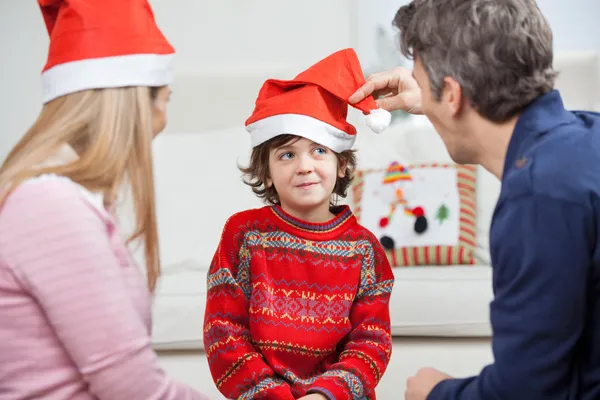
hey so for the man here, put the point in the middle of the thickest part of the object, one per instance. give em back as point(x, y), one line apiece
point(483, 75)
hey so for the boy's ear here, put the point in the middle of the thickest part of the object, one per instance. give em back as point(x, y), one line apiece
point(268, 183)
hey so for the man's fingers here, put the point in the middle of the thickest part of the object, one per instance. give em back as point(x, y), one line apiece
point(374, 83)
point(383, 103)
point(405, 101)
point(362, 92)
point(400, 91)
point(391, 103)
point(412, 101)
point(384, 92)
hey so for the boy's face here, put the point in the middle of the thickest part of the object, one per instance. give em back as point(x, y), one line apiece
point(304, 174)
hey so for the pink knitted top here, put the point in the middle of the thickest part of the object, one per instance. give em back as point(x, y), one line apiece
point(75, 313)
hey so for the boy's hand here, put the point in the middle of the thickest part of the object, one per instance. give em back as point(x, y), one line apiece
point(313, 396)
point(418, 387)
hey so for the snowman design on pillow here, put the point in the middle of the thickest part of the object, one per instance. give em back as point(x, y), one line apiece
point(397, 191)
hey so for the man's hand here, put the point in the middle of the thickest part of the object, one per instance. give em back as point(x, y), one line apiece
point(419, 386)
point(313, 396)
point(399, 88)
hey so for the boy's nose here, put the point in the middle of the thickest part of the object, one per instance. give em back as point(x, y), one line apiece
point(305, 165)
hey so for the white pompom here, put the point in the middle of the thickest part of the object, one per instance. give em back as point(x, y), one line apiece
point(378, 120)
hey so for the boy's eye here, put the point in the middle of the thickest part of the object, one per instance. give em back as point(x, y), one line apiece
point(320, 151)
point(286, 156)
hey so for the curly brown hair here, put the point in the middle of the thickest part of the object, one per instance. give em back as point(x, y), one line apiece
point(257, 172)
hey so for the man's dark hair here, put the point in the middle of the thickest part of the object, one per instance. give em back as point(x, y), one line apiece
point(500, 52)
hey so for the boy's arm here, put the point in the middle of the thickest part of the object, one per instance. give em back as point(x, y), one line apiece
point(238, 369)
point(368, 347)
point(542, 257)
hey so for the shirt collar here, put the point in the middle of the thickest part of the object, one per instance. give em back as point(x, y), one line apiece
point(540, 116)
point(64, 155)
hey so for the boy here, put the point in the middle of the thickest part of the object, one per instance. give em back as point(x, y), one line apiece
point(298, 291)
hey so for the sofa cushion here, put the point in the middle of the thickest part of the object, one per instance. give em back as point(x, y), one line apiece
point(451, 301)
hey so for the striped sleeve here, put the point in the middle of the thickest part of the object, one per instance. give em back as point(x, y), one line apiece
point(57, 244)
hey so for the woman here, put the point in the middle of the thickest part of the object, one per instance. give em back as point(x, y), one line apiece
point(74, 309)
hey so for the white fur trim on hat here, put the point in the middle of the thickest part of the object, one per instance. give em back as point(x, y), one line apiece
point(300, 125)
point(107, 72)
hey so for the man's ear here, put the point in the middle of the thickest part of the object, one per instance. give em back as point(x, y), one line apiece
point(452, 94)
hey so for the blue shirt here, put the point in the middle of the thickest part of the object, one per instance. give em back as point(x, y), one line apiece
point(544, 244)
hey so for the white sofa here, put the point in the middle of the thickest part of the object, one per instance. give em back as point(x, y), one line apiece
point(198, 186)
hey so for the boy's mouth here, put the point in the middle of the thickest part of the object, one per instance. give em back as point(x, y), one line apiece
point(306, 185)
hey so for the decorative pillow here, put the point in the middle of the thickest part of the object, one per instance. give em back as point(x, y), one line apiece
point(422, 214)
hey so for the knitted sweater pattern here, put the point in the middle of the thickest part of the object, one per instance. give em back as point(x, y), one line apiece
point(295, 307)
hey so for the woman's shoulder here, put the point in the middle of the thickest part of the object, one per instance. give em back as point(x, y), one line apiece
point(49, 195)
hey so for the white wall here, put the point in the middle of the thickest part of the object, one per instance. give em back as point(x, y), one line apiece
point(237, 35)
point(23, 42)
point(209, 36)
point(574, 24)
point(252, 33)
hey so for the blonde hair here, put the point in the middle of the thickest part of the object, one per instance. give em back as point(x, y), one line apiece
point(111, 131)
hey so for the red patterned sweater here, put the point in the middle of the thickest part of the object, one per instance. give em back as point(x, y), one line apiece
point(296, 307)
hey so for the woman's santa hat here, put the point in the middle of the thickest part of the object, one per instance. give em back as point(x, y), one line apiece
point(314, 104)
point(103, 44)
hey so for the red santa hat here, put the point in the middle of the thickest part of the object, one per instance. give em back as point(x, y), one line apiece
point(103, 44)
point(314, 104)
